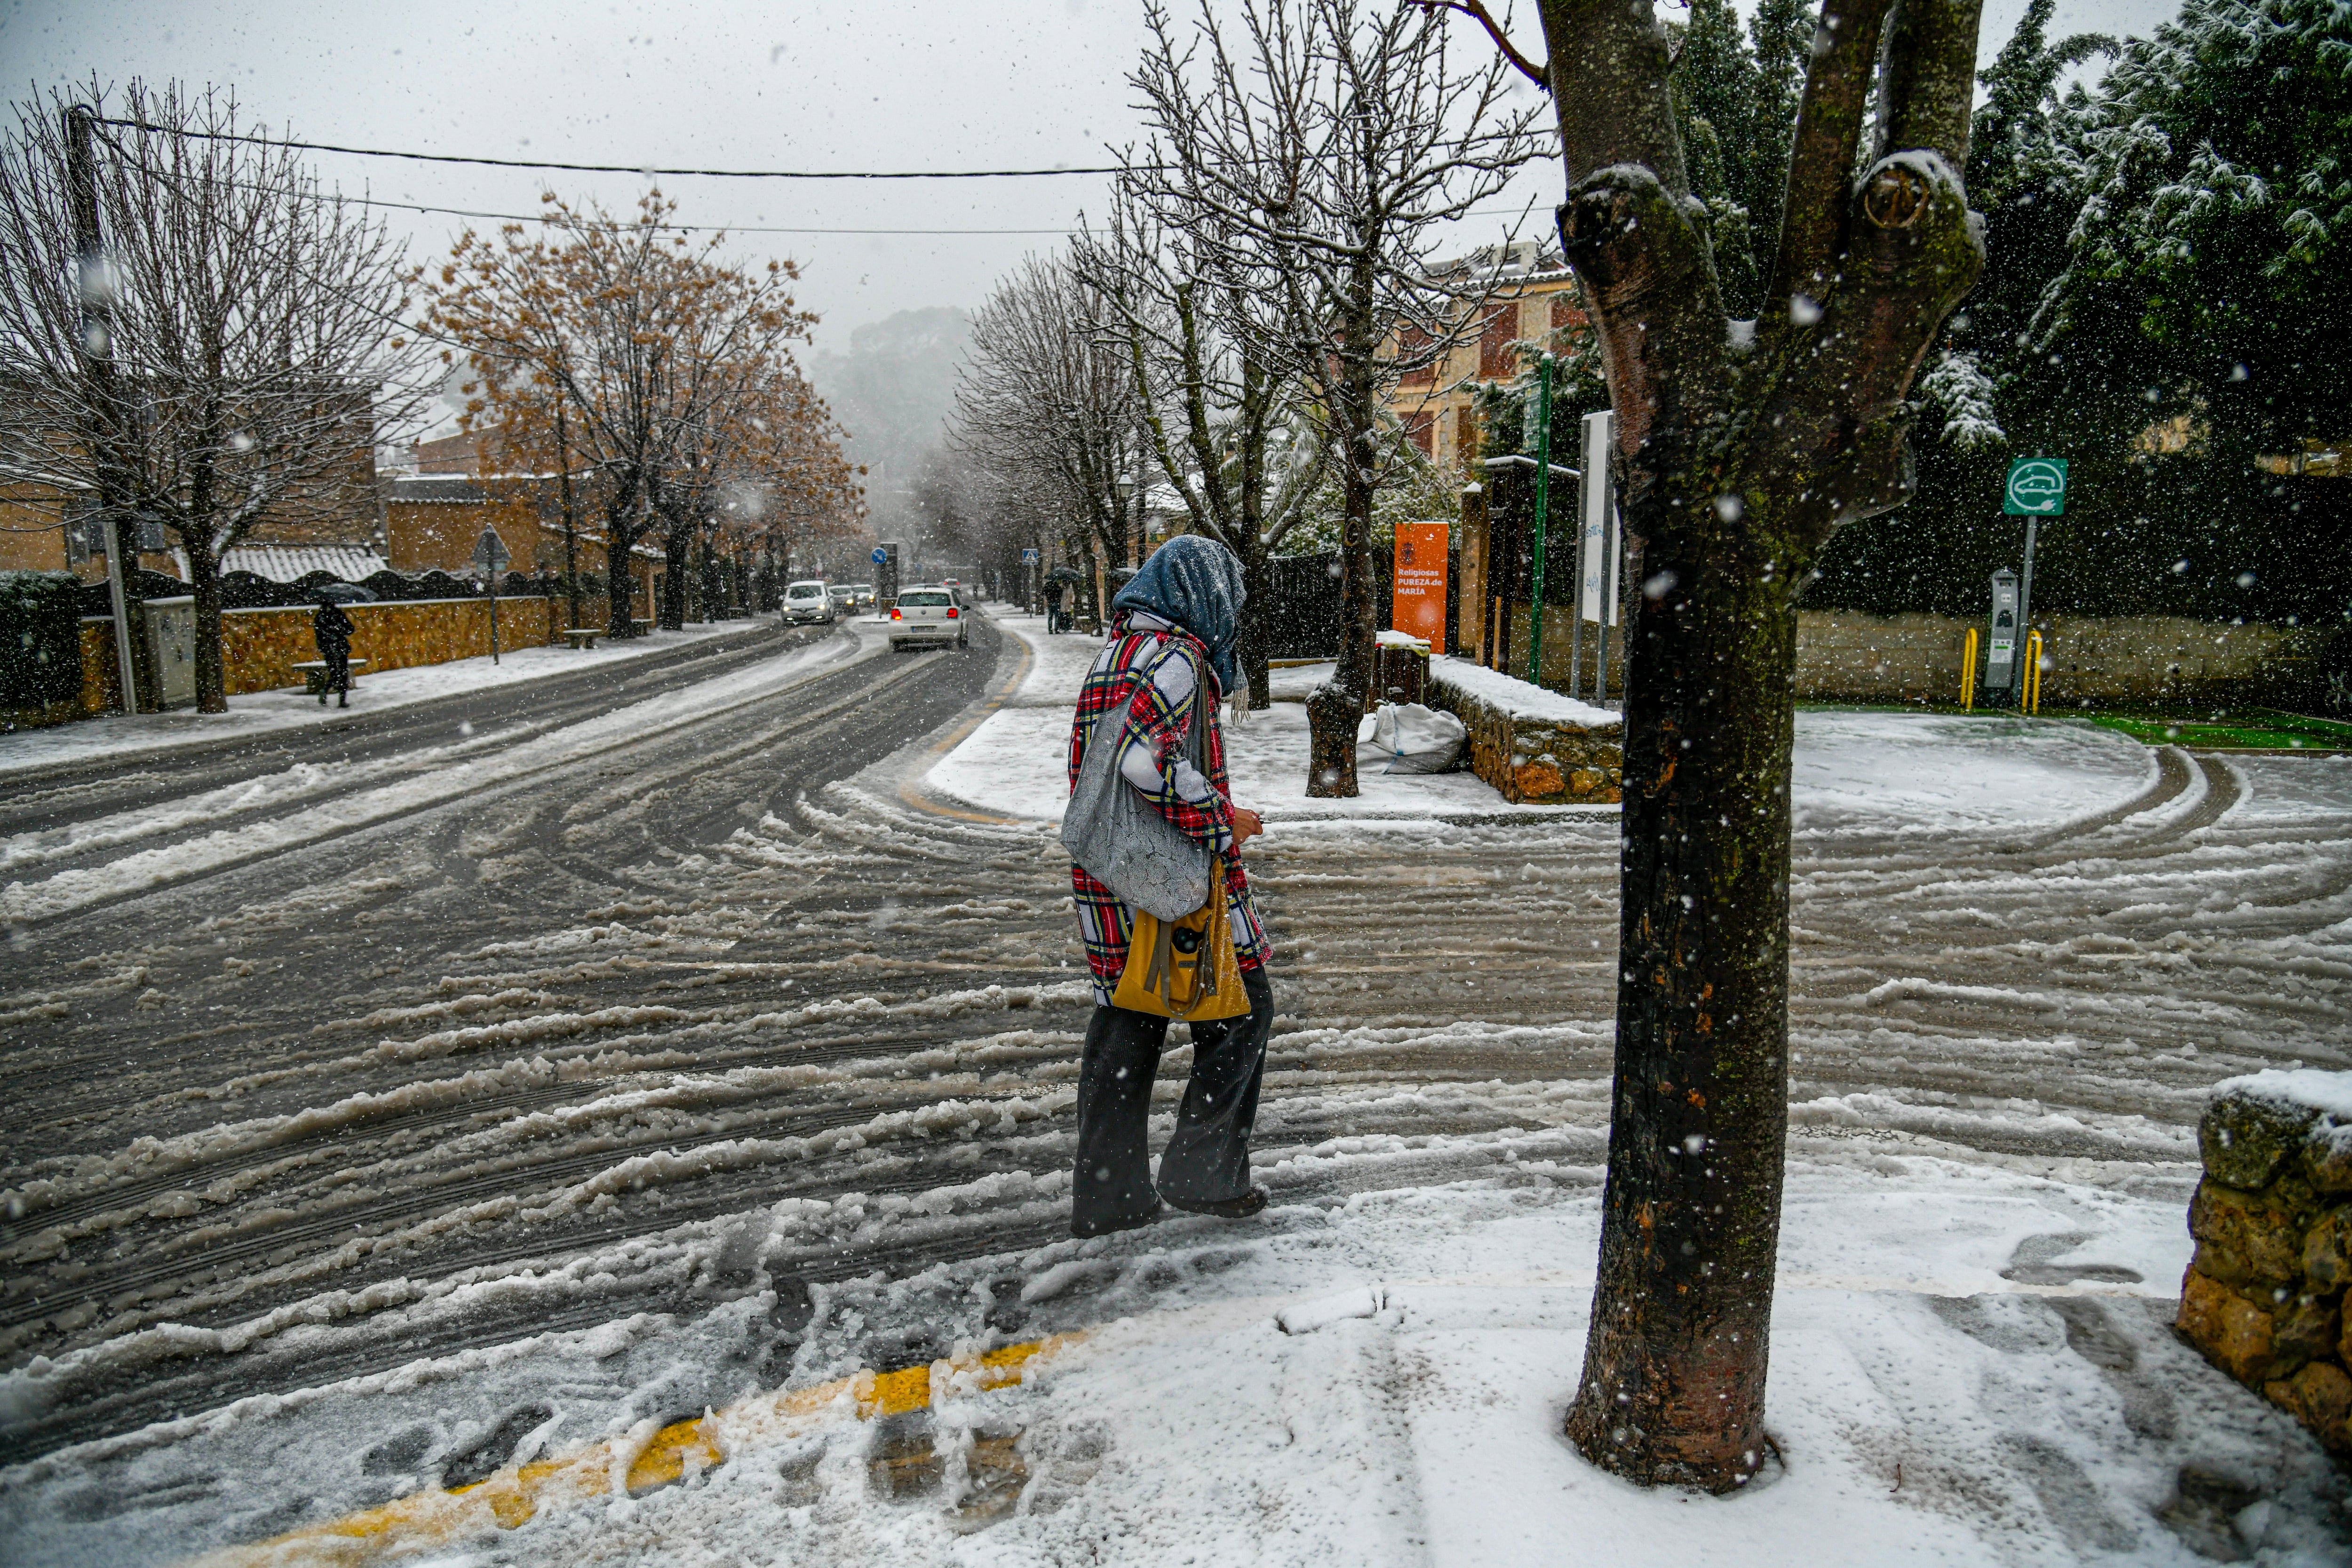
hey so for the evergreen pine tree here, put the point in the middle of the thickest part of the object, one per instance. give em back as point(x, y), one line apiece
point(1781, 38)
point(1715, 84)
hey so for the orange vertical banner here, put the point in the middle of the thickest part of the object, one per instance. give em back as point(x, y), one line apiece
point(1419, 607)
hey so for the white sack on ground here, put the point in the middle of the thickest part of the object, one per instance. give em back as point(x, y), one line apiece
point(1418, 739)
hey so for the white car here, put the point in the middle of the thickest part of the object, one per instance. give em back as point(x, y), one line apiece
point(807, 601)
point(928, 618)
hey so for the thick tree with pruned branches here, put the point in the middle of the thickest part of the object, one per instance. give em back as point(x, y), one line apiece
point(1742, 446)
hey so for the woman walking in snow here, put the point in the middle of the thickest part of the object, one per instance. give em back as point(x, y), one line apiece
point(1169, 659)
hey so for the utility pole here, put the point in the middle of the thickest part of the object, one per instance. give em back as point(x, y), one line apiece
point(2024, 613)
point(104, 425)
point(571, 528)
point(1543, 508)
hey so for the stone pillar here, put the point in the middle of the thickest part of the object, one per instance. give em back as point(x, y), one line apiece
point(2264, 1293)
point(1470, 610)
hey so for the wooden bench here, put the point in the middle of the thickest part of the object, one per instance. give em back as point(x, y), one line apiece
point(642, 625)
point(583, 636)
point(314, 676)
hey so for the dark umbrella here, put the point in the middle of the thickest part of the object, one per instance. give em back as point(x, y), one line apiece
point(342, 593)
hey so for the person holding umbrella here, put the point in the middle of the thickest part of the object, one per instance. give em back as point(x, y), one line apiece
point(333, 629)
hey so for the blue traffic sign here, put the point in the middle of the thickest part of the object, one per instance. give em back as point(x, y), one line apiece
point(881, 556)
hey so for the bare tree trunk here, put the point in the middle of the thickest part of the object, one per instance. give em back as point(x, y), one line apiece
point(674, 569)
point(571, 515)
point(204, 583)
point(1335, 712)
point(1257, 673)
point(619, 586)
point(1674, 1367)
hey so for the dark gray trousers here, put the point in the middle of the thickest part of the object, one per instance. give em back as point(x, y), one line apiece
point(1208, 1155)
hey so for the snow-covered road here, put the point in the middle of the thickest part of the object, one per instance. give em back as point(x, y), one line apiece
point(727, 1050)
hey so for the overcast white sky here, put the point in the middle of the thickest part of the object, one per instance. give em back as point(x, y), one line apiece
point(887, 84)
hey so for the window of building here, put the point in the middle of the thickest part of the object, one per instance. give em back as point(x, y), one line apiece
point(1411, 340)
point(1494, 358)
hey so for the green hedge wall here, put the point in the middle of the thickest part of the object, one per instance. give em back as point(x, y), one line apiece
point(40, 638)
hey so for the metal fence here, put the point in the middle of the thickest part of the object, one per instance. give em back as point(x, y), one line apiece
point(1302, 615)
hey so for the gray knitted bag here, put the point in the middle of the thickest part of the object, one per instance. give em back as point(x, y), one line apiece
point(1127, 846)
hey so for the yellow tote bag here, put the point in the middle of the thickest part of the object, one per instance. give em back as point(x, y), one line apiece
point(1184, 969)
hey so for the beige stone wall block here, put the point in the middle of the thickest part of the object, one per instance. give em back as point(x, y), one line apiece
point(2320, 1396)
point(2233, 1334)
point(2328, 1252)
point(2260, 1239)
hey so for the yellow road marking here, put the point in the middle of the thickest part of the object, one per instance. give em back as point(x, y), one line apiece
point(517, 1494)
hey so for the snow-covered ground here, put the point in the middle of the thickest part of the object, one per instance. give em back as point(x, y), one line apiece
point(1913, 775)
point(349, 794)
point(1970, 1365)
point(260, 712)
point(769, 1101)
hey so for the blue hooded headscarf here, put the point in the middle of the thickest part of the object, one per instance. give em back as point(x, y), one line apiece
point(1196, 583)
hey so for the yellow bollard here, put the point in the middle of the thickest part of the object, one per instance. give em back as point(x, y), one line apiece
point(1968, 673)
point(2032, 693)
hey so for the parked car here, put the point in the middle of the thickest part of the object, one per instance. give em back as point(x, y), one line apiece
point(928, 617)
point(807, 601)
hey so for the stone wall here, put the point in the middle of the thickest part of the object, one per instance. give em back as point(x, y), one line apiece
point(1543, 760)
point(2264, 1293)
point(2142, 661)
point(2150, 662)
point(259, 649)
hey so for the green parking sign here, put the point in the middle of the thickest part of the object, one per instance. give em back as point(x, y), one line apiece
point(2036, 488)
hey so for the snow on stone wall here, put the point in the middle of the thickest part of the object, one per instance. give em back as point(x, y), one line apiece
point(1533, 745)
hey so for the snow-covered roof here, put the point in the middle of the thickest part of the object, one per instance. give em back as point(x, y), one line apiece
point(291, 563)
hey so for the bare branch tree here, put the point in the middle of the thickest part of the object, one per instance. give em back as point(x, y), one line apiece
point(1231, 433)
point(254, 332)
point(1741, 446)
point(1315, 168)
point(1047, 403)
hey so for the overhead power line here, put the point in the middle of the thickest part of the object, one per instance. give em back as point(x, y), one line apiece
point(618, 224)
point(611, 168)
point(679, 227)
point(631, 168)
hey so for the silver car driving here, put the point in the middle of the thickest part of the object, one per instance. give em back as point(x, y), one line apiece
point(807, 601)
point(928, 618)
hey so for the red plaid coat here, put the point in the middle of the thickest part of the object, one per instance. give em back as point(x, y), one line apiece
point(1124, 677)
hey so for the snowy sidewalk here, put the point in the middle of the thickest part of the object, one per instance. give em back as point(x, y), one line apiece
point(1970, 1365)
point(263, 713)
point(1911, 774)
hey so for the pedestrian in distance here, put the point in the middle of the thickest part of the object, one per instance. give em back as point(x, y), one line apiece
point(1151, 698)
point(1053, 608)
point(333, 629)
